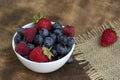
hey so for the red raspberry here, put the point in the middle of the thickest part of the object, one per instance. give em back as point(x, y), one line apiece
point(29, 33)
point(108, 37)
point(69, 30)
point(22, 48)
point(38, 55)
point(44, 23)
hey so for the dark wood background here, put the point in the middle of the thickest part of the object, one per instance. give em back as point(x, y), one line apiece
point(83, 14)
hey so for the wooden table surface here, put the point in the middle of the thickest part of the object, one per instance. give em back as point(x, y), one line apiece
point(83, 14)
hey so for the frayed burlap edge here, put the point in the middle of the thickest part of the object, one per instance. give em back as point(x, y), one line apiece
point(94, 33)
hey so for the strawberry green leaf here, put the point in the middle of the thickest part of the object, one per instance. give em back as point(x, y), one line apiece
point(47, 52)
point(36, 18)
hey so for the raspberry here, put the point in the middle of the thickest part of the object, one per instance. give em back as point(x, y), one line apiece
point(22, 48)
point(29, 33)
point(69, 30)
point(108, 37)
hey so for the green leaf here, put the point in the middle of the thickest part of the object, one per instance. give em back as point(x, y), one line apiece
point(47, 52)
point(36, 18)
point(41, 15)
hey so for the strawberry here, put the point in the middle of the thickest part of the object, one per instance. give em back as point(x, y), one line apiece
point(44, 23)
point(49, 60)
point(37, 55)
point(22, 48)
point(108, 37)
point(69, 30)
point(40, 54)
point(29, 33)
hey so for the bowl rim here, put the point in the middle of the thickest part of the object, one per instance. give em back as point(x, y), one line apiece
point(30, 61)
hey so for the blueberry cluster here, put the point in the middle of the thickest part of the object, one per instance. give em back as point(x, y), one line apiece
point(55, 39)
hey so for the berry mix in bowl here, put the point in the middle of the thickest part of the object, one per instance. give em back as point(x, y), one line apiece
point(44, 46)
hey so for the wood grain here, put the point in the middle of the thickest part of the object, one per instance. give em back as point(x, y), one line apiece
point(83, 14)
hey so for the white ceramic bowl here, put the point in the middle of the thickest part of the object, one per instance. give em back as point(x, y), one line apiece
point(44, 67)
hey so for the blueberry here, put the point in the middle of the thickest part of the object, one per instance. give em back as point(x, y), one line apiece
point(38, 40)
point(26, 56)
point(17, 38)
point(62, 49)
point(54, 46)
point(48, 42)
point(68, 49)
point(70, 41)
point(57, 26)
point(44, 32)
point(58, 57)
point(53, 36)
point(63, 39)
point(31, 46)
point(20, 31)
point(70, 60)
point(54, 52)
point(57, 32)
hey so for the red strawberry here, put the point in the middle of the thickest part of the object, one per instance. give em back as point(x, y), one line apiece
point(69, 30)
point(50, 60)
point(108, 37)
point(22, 48)
point(29, 33)
point(38, 55)
point(44, 23)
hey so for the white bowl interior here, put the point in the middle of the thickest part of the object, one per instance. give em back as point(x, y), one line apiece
point(44, 67)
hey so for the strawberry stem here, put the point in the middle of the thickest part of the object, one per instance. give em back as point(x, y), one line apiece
point(36, 18)
point(47, 52)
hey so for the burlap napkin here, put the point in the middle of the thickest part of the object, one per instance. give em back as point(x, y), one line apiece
point(104, 62)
